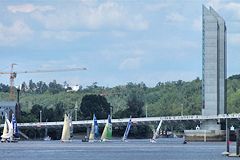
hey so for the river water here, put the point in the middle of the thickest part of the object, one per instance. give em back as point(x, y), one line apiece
point(167, 149)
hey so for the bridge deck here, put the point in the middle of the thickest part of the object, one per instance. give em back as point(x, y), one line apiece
point(134, 120)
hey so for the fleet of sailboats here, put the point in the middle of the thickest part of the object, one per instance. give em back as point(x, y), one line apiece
point(11, 132)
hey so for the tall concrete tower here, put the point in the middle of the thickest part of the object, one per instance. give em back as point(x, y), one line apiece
point(213, 67)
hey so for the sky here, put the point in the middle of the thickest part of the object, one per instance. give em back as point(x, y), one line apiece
point(118, 41)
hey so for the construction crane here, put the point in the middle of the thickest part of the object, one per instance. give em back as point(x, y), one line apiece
point(13, 75)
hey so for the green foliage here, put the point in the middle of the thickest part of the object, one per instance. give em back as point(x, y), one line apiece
point(36, 110)
point(135, 105)
point(237, 76)
point(54, 87)
point(95, 104)
point(165, 99)
point(27, 117)
point(4, 88)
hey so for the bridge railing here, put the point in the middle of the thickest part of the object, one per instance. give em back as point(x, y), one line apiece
point(134, 120)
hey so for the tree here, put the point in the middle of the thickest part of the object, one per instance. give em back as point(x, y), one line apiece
point(36, 110)
point(4, 88)
point(59, 111)
point(27, 117)
point(95, 104)
point(54, 87)
point(32, 86)
point(49, 114)
point(65, 84)
point(41, 87)
point(135, 105)
point(24, 87)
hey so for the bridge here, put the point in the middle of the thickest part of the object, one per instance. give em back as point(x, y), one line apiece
point(134, 120)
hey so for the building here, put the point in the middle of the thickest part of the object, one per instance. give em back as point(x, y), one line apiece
point(9, 108)
point(73, 88)
point(214, 67)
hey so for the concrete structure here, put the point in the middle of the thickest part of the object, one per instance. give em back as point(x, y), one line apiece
point(214, 67)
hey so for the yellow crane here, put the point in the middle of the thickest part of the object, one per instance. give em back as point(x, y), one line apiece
point(13, 75)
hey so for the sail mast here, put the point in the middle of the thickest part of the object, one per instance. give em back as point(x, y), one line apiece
point(15, 127)
point(127, 129)
point(94, 129)
point(157, 130)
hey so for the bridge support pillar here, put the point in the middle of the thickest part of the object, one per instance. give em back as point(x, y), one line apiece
point(237, 142)
point(227, 135)
point(210, 125)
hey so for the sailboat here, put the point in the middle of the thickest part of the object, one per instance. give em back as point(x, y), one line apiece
point(156, 133)
point(46, 137)
point(107, 132)
point(5, 134)
point(9, 131)
point(13, 132)
point(124, 138)
point(15, 135)
point(94, 130)
point(66, 129)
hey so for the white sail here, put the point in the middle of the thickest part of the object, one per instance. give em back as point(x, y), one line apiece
point(5, 132)
point(156, 133)
point(66, 129)
point(10, 130)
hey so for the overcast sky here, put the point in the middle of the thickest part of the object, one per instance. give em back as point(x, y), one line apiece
point(118, 41)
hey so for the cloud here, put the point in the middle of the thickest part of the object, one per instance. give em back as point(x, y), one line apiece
point(156, 7)
point(16, 33)
point(234, 7)
point(130, 63)
point(175, 17)
point(216, 4)
point(119, 34)
point(104, 15)
point(28, 8)
point(64, 35)
point(224, 5)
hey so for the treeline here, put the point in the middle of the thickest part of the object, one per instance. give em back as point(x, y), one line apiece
point(169, 98)
point(90, 104)
point(39, 87)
